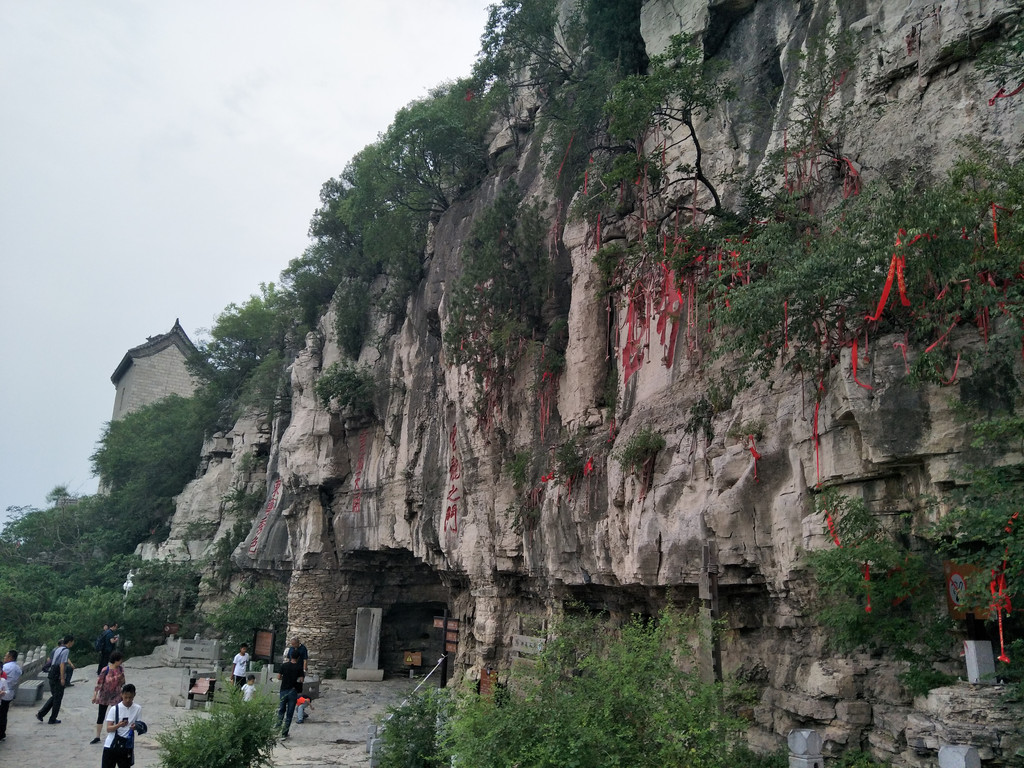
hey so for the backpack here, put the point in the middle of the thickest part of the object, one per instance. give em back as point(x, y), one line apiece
point(98, 645)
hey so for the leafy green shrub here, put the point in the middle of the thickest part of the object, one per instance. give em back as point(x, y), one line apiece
point(678, 87)
point(496, 302)
point(242, 363)
point(221, 565)
point(753, 427)
point(347, 384)
point(826, 271)
point(640, 450)
point(875, 590)
point(524, 515)
point(162, 592)
point(569, 459)
point(410, 736)
point(237, 734)
point(985, 528)
point(600, 695)
point(519, 469)
point(145, 459)
point(854, 758)
point(259, 607)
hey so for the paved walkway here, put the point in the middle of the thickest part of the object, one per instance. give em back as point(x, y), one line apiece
point(334, 735)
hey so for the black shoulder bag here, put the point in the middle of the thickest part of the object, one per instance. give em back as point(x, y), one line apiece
point(121, 743)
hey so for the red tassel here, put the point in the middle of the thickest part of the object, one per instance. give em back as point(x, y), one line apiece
point(755, 454)
point(867, 586)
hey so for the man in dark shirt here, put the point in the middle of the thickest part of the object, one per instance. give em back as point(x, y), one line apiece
point(108, 644)
point(296, 648)
point(291, 676)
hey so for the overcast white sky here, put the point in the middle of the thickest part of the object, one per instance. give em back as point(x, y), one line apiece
point(160, 160)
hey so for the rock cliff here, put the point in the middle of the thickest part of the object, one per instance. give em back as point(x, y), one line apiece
point(415, 510)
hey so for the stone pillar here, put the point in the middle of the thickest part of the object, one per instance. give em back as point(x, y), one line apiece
point(805, 749)
point(959, 757)
point(366, 651)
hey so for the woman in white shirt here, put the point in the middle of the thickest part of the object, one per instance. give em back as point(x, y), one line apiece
point(121, 719)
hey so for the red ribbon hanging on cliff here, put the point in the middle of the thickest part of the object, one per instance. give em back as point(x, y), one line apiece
point(1002, 94)
point(896, 267)
point(867, 585)
point(670, 304)
point(1001, 601)
point(853, 357)
point(755, 454)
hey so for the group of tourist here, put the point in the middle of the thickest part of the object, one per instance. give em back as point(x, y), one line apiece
point(292, 677)
point(117, 713)
point(114, 698)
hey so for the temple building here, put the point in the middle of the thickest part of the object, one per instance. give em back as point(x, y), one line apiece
point(153, 371)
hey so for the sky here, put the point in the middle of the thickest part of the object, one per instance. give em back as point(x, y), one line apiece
point(160, 160)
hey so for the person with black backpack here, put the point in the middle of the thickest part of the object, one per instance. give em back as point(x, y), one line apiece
point(59, 677)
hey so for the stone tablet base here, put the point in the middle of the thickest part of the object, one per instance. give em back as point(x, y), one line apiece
point(371, 675)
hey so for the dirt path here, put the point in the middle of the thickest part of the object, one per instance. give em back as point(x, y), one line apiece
point(334, 735)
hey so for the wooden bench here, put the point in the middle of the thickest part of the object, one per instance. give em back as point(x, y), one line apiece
point(201, 691)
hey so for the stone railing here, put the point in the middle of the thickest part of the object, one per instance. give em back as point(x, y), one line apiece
point(31, 661)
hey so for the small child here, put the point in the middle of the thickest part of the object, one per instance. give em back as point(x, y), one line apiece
point(249, 688)
point(302, 706)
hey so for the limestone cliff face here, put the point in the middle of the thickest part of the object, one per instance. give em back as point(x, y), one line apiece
point(416, 510)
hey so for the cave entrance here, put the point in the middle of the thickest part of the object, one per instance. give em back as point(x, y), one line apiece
point(408, 627)
point(410, 594)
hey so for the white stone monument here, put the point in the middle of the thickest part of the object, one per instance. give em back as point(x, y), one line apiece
point(981, 666)
point(366, 652)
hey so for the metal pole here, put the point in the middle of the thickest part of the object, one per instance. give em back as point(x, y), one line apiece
point(709, 596)
point(444, 652)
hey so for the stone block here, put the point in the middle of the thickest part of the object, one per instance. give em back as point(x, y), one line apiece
point(854, 712)
point(834, 678)
point(959, 757)
point(365, 675)
point(806, 762)
point(29, 692)
point(807, 707)
point(981, 664)
point(311, 687)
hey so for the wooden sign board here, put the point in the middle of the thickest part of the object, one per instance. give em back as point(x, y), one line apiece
point(451, 647)
point(452, 637)
point(439, 623)
point(488, 679)
point(527, 644)
point(956, 577)
point(263, 645)
point(413, 658)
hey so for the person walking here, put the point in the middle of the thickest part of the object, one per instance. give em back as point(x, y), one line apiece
point(241, 664)
point(291, 677)
point(108, 689)
point(58, 677)
point(12, 674)
point(122, 722)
